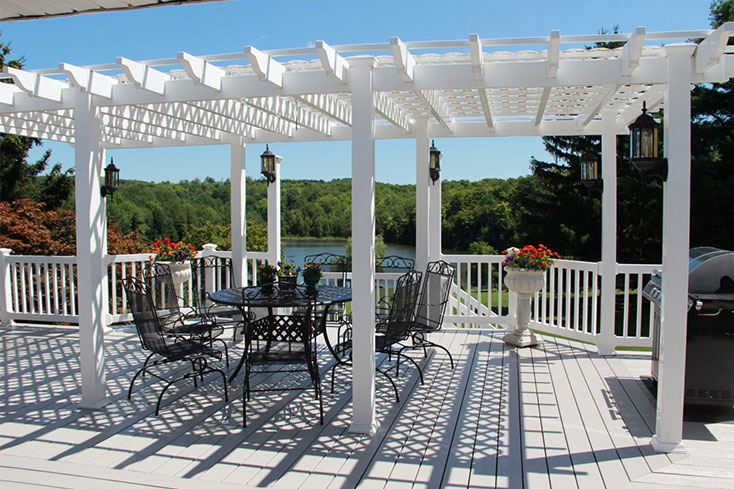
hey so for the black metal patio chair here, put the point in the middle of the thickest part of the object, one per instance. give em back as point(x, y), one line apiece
point(432, 306)
point(278, 339)
point(390, 264)
point(209, 274)
point(397, 327)
point(154, 339)
point(177, 320)
point(338, 264)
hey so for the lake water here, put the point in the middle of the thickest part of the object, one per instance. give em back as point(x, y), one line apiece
point(298, 250)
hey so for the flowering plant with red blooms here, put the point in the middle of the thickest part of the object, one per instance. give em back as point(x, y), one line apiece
point(168, 250)
point(529, 257)
point(312, 272)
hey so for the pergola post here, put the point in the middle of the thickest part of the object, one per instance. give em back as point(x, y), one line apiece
point(434, 221)
point(274, 216)
point(422, 185)
point(237, 189)
point(676, 224)
point(91, 250)
point(363, 245)
point(605, 339)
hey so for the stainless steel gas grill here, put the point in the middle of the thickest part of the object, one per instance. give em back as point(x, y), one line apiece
point(710, 337)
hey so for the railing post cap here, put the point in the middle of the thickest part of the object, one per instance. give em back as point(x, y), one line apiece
point(5, 251)
point(209, 247)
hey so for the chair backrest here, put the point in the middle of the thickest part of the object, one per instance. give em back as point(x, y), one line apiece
point(163, 293)
point(209, 274)
point(144, 315)
point(394, 263)
point(331, 263)
point(280, 338)
point(402, 307)
point(435, 294)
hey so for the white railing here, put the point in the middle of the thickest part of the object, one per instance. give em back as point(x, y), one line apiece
point(43, 289)
point(569, 304)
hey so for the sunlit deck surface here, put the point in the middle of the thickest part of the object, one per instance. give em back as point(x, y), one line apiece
point(554, 416)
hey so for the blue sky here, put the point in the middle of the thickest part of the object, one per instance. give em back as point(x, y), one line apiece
point(228, 26)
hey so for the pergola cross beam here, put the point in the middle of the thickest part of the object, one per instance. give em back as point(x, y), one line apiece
point(291, 112)
point(709, 51)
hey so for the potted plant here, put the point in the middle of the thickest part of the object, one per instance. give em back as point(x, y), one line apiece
point(288, 275)
point(266, 275)
point(525, 275)
point(177, 255)
point(311, 276)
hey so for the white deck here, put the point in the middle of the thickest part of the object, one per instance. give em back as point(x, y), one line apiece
point(556, 416)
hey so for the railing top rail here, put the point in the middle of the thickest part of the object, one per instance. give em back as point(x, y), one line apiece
point(40, 259)
point(637, 267)
point(473, 258)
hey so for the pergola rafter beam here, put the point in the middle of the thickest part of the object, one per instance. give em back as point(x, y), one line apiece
point(333, 64)
point(329, 106)
point(26, 126)
point(652, 97)
point(201, 71)
point(595, 106)
point(35, 84)
point(389, 111)
point(144, 76)
point(554, 53)
point(285, 109)
point(475, 51)
point(709, 51)
point(541, 106)
point(484, 98)
point(404, 61)
point(203, 115)
point(267, 69)
point(632, 51)
point(89, 81)
point(432, 100)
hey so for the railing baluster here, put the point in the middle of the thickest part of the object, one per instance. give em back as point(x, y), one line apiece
point(626, 309)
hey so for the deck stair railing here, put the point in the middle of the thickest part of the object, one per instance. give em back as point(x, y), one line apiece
point(42, 289)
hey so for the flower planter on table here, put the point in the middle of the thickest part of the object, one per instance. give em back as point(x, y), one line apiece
point(287, 283)
point(525, 283)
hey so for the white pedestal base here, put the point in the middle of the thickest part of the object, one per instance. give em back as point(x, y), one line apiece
point(365, 429)
point(94, 405)
point(522, 338)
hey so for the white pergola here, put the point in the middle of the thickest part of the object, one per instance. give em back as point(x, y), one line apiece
point(34, 9)
point(466, 88)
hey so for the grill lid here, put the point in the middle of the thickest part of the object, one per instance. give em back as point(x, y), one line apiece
point(707, 268)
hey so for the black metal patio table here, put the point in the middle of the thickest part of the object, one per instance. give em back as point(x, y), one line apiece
point(325, 296)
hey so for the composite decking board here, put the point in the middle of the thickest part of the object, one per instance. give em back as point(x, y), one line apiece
point(611, 468)
point(582, 457)
point(557, 452)
point(612, 404)
point(510, 448)
point(485, 455)
point(430, 425)
point(535, 466)
point(629, 410)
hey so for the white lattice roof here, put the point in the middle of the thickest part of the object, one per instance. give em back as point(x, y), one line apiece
point(474, 87)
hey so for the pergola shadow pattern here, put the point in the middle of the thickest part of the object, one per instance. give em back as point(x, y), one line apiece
point(554, 416)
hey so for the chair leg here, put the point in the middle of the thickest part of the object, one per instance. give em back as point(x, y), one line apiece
point(395, 387)
point(226, 353)
point(145, 364)
point(420, 372)
point(141, 371)
point(160, 398)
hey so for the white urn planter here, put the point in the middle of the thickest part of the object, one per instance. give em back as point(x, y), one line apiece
point(525, 283)
point(180, 272)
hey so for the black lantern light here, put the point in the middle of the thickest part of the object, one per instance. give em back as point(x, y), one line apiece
point(644, 137)
point(111, 179)
point(591, 173)
point(434, 162)
point(268, 165)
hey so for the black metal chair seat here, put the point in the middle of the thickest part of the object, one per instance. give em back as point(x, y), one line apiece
point(159, 343)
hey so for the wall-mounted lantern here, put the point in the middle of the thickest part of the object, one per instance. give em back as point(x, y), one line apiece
point(267, 160)
point(591, 173)
point(644, 138)
point(111, 180)
point(434, 162)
